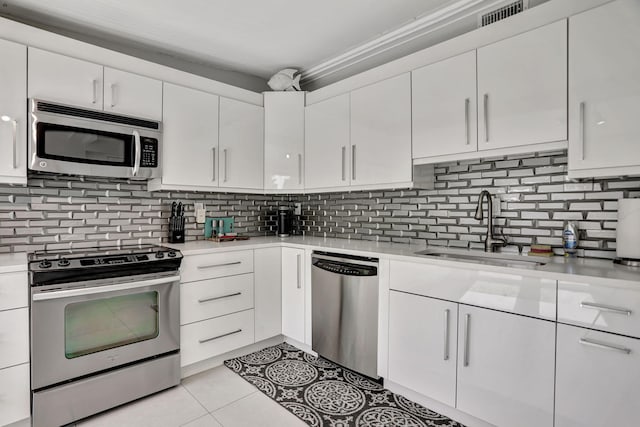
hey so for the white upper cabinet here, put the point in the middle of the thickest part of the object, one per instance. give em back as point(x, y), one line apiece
point(241, 160)
point(59, 78)
point(444, 107)
point(327, 144)
point(13, 112)
point(506, 367)
point(132, 95)
point(604, 89)
point(522, 89)
point(190, 137)
point(283, 140)
point(381, 132)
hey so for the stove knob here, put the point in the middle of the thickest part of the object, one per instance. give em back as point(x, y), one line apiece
point(171, 254)
point(63, 262)
point(44, 264)
point(159, 254)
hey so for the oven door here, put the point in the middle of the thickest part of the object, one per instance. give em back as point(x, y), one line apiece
point(93, 326)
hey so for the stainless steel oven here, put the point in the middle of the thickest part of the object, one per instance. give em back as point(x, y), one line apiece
point(70, 140)
point(104, 330)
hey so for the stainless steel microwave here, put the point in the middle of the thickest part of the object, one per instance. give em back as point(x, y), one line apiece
point(71, 140)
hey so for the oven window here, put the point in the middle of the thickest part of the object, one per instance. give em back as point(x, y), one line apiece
point(101, 324)
point(84, 145)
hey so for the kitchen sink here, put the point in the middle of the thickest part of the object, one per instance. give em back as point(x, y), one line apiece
point(501, 260)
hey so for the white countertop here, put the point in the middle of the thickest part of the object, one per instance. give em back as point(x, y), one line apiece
point(13, 262)
point(596, 271)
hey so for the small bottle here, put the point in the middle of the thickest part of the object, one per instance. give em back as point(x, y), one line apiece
point(220, 228)
point(570, 239)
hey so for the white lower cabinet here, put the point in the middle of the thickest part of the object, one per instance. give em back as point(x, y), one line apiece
point(293, 294)
point(268, 292)
point(14, 394)
point(422, 345)
point(597, 379)
point(505, 368)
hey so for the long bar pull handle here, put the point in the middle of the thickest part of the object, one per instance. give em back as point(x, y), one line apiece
point(486, 117)
point(606, 346)
point(299, 168)
point(582, 107)
point(607, 308)
point(138, 153)
point(213, 163)
point(226, 264)
point(353, 162)
point(235, 294)
point(446, 334)
point(225, 164)
point(465, 359)
point(466, 121)
point(298, 271)
point(95, 91)
point(344, 163)
point(219, 336)
point(113, 94)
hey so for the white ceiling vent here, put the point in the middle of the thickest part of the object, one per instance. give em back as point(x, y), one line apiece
point(502, 12)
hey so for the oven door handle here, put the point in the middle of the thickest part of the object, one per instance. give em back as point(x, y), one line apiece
point(101, 289)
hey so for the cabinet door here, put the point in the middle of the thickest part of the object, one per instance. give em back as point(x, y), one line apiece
point(422, 345)
point(268, 292)
point(326, 145)
point(522, 89)
point(59, 78)
point(14, 394)
point(283, 140)
point(241, 144)
point(14, 337)
point(293, 293)
point(13, 111)
point(604, 86)
point(132, 95)
point(505, 367)
point(381, 132)
point(597, 378)
point(444, 107)
point(190, 137)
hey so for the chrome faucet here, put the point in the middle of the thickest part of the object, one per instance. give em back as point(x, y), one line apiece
point(491, 241)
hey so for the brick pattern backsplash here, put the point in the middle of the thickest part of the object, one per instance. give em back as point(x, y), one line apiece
point(534, 193)
point(58, 212)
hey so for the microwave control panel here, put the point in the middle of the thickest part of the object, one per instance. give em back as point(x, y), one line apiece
point(149, 157)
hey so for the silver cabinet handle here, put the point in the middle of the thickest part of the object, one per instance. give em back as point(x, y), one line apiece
point(607, 308)
point(137, 154)
point(581, 124)
point(606, 346)
point(213, 163)
point(466, 121)
point(225, 164)
point(226, 264)
point(353, 162)
point(465, 360)
point(219, 336)
point(486, 117)
point(113, 94)
point(299, 168)
point(298, 271)
point(446, 334)
point(235, 294)
point(95, 91)
point(344, 163)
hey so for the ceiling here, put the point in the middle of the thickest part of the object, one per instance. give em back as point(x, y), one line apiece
point(253, 38)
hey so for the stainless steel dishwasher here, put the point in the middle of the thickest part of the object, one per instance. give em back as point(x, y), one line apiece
point(344, 298)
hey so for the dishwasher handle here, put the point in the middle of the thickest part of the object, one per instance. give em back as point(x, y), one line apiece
point(344, 268)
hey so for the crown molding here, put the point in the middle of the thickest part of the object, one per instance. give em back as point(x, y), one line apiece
point(420, 27)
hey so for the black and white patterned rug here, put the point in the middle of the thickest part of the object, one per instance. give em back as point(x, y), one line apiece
point(322, 393)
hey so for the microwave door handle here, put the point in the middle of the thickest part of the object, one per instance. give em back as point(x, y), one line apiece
point(136, 161)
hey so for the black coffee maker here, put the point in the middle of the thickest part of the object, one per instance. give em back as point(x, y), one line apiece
point(285, 221)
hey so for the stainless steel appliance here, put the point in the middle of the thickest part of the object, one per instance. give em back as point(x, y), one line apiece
point(72, 140)
point(344, 298)
point(105, 329)
point(285, 221)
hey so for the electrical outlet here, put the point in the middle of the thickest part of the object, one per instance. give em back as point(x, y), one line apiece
point(201, 213)
point(297, 209)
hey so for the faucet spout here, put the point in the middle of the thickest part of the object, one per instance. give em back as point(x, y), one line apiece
point(490, 241)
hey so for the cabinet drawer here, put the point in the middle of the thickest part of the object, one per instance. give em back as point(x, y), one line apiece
point(14, 337)
point(14, 394)
point(209, 338)
point(612, 308)
point(209, 266)
point(210, 298)
point(508, 292)
point(14, 290)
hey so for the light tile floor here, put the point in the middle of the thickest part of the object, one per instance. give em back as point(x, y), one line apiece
point(213, 398)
